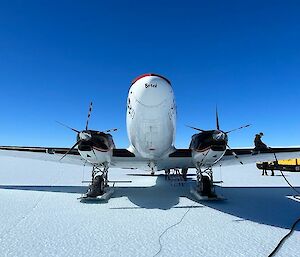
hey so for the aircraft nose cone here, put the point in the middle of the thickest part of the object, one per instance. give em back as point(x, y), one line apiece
point(152, 91)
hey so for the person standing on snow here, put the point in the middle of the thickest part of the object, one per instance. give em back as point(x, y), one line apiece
point(264, 167)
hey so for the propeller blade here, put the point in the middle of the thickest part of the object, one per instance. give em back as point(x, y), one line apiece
point(238, 128)
point(110, 130)
point(70, 149)
point(217, 119)
point(89, 115)
point(196, 128)
point(234, 154)
point(67, 126)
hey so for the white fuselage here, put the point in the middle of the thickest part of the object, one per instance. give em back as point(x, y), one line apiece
point(151, 117)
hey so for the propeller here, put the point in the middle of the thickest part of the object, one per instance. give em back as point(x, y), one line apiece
point(234, 154)
point(218, 126)
point(221, 132)
point(217, 119)
point(107, 131)
point(246, 126)
point(75, 130)
point(84, 135)
point(89, 115)
point(78, 142)
point(202, 130)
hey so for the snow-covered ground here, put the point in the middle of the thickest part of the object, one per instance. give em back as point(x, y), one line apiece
point(40, 215)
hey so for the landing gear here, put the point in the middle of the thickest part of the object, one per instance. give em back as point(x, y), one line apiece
point(205, 185)
point(99, 181)
point(153, 167)
point(205, 190)
point(184, 174)
point(167, 174)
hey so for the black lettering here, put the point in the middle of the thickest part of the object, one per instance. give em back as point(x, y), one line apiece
point(150, 85)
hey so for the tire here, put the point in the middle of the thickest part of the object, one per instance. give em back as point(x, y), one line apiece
point(99, 181)
point(97, 188)
point(102, 186)
point(206, 186)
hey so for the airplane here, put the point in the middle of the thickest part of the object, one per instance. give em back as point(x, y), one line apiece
point(151, 128)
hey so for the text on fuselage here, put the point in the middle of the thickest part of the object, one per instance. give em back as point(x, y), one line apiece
point(150, 85)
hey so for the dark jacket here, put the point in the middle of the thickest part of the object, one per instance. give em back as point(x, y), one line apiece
point(258, 143)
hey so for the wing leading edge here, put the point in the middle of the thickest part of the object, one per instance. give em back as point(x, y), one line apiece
point(53, 154)
point(122, 158)
point(247, 156)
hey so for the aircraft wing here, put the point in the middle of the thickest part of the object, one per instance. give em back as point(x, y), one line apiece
point(121, 158)
point(43, 153)
point(182, 158)
point(246, 155)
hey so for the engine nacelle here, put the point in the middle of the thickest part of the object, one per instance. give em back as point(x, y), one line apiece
point(208, 147)
point(98, 148)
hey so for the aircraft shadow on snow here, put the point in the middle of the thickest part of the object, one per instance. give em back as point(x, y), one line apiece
point(265, 205)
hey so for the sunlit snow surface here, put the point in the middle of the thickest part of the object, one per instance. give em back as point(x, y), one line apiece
point(40, 215)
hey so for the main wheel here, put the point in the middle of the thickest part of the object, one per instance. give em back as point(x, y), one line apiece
point(206, 186)
point(97, 187)
point(99, 184)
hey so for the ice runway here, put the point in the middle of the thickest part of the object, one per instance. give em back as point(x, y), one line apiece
point(40, 215)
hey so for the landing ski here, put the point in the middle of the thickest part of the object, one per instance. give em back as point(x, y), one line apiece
point(101, 198)
point(200, 197)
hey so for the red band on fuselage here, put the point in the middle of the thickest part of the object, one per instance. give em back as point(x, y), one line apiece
point(100, 149)
point(149, 74)
point(202, 150)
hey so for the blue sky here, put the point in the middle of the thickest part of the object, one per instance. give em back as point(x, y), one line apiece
point(57, 56)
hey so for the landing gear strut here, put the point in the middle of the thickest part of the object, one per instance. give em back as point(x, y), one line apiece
point(99, 181)
point(205, 185)
point(184, 174)
point(153, 167)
